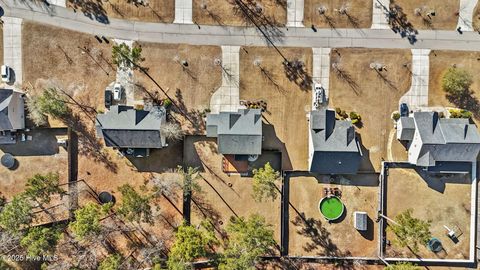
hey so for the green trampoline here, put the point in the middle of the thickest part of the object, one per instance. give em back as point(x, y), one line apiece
point(331, 208)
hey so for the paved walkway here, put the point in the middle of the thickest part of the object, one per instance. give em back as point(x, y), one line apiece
point(295, 13)
point(241, 36)
point(61, 3)
point(417, 96)
point(125, 77)
point(321, 69)
point(227, 97)
point(380, 11)
point(183, 11)
point(465, 18)
point(12, 46)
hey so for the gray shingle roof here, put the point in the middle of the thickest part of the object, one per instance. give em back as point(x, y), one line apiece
point(335, 146)
point(447, 140)
point(11, 110)
point(125, 127)
point(239, 133)
point(406, 128)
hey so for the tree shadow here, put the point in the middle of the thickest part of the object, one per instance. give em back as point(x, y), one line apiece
point(320, 240)
point(296, 72)
point(92, 9)
point(269, 77)
point(346, 77)
point(386, 80)
point(398, 21)
point(209, 212)
point(195, 117)
point(466, 100)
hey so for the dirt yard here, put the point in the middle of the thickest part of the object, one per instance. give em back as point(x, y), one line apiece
point(445, 17)
point(40, 155)
point(374, 95)
point(151, 11)
point(222, 12)
point(476, 18)
point(442, 200)
point(191, 86)
point(309, 232)
point(223, 196)
point(440, 61)
point(262, 76)
point(358, 13)
point(66, 65)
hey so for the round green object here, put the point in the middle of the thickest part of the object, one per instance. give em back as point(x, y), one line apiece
point(331, 208)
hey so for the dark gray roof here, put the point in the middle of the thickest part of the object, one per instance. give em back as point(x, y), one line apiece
point(406, 128)
point(239, 133)
point(336, 148)
point(125, 127)
point(453, 139)
point(5, 98)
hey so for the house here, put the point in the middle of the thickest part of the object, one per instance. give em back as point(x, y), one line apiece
point(333, 145)
point(12, 110)
point(238, 133)
point(132, 131)
point(439, 144)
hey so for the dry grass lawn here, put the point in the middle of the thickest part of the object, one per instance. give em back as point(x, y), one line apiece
point(373, 95)
point(222, 12)
point(59, 61)
point(359, 13)
point(153, 11)
point(287, 102)
point(445, 17)
point(440, 62)
point(192, 86)
point(443, 200)
point(312, 235)
point(476, 17)
point(219, 201)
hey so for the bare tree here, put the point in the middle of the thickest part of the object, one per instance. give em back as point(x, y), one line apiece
point(34, 111)
point(171, 131)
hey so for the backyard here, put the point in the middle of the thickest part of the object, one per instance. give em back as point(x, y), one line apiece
point(371, 93)
point(444, 200)
point(325, 13)
point(310, 234)
point(147, 10)
point(263, 77)
point(429, 14)
point(223, 13)
point(223, 196)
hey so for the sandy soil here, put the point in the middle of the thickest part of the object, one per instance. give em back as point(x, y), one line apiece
point(219, 201)
point(152, 11)
point(84, 75)
point(314, 236)
point(440, 61)
point(287, 102)
point(373, 95)
point(190, 87)
point(222, 12)
point(359, 13)
point(442, 200)
point(445, 17)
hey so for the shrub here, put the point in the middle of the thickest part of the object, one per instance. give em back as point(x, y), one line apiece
point(167, 103)
point(396, 116)
point(456, 81)
point(460, 113)
point(355, 116)
point(338, 110)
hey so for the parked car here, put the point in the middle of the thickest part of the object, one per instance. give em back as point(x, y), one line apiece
point(6, 75)
point(108, 98)
point(404, 110)
point(117, 92)
point(319, 93)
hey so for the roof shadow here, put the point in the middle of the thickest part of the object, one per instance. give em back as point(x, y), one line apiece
point(272, 142)
point(43, 143)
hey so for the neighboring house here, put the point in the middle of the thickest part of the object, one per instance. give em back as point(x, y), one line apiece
point(333, 145)
point(238, 133)
point(133, 131)
point(439, 144)
point(12, 110)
